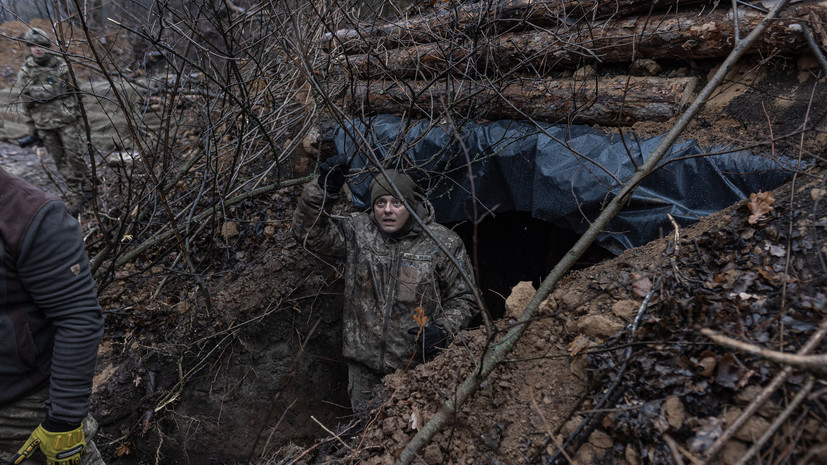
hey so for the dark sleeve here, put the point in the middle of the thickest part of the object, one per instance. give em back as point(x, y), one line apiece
point(312, 226)
point(54, 270)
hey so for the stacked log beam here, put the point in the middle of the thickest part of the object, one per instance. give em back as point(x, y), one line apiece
point(617, 101)
point(499, 16)
point(684, 35)
point(508, 74)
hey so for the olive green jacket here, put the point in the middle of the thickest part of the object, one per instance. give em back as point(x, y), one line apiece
point(387, 278)
point(47, 95)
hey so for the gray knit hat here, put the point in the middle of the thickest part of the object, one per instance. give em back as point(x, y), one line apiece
point(379, 186)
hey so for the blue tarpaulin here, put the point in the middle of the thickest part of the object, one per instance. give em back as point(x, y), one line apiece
point(561, 174)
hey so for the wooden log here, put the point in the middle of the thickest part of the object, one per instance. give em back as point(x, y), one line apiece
point(618, 101)
point(687, 35)
point(487, 16)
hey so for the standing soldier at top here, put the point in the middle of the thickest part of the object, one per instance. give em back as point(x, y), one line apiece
point(49, 107)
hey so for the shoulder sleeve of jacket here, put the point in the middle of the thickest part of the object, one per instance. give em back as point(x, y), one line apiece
point(54, 269)
point(22, 77)
point(458, 303)
point(313, 227)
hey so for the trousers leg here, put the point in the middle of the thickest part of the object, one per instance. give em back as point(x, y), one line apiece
point(360, 382)
point(77, 172)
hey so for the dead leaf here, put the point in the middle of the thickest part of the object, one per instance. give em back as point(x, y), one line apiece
point(104, 376)
point(708, 362)
point(760, 204)
point(416, 419)
point(579, 343)
point(744, 296)
point(229, 230)
point(641, 285)
point(124, 449)
point(777, 251)
point(421, 318)
point(729, 372)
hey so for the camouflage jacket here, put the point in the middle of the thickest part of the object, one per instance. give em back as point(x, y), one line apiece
point(46, 93)
point(386, 278)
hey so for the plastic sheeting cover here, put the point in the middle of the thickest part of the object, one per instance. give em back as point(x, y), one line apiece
point(561, 174)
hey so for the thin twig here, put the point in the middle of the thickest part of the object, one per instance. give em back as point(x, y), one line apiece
point(332, 434)
point(673, 447)
point(205, 214)
point(677, 251)
point(802, 394)
point(753, 407)
point(814, 46)
point(546, 425)
point(816, 364)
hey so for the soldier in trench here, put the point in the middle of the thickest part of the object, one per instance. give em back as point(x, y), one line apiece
point(50, 328)
point(393, 271)
point(50, 111)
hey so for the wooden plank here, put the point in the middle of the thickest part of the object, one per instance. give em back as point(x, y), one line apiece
point(618, 101)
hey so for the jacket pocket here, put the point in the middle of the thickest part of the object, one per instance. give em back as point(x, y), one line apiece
point(415, 279)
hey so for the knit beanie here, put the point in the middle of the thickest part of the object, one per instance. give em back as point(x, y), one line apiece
point(379, 186)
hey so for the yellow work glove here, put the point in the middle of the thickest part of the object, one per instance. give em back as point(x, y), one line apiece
point(59, 448)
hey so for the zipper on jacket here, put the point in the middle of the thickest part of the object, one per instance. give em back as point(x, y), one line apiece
point(394, 272)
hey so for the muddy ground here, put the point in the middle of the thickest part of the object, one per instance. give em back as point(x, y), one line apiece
point(257, 377)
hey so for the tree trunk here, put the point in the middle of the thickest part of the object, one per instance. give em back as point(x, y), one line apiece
point(683, 36)
point(619, 101)
point(502, 16)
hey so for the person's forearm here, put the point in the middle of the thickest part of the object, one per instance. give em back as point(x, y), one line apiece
point(312, 227)
point(54, 270)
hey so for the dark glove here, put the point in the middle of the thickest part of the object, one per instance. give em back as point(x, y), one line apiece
point(430, 340)
point(29, 140)
point(61, 448)
point(332, 173)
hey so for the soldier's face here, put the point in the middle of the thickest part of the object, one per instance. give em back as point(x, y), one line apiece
point(391, 213)
point(37, 52)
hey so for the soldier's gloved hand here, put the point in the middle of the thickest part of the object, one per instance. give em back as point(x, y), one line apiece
point(60, 448)
point(29, 140)
point(430, 340)
point(332, 173)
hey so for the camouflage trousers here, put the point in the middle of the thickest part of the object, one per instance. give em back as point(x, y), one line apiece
point(360, 382)
point(68, 150)
point(18, 420)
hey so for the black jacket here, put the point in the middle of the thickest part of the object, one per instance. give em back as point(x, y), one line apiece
point(50, 318)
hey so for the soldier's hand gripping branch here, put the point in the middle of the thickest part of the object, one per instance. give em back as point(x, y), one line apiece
point(332, 173)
